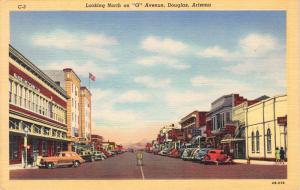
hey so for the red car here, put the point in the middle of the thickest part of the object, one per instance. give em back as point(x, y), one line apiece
point(217, 157)
point(107, 154)
point(174, 153)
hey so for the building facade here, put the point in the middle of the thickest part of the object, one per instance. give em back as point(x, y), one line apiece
point(219, 119)
point(37, 112)
point(266, 128)
point(70, 82)
point(193, 124)
point(85, 114)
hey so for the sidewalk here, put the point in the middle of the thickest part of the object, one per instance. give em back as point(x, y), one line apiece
point(256, 162)
point(20, 166)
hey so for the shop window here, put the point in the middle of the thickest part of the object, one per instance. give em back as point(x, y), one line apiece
point(257, 141)
point(13, 148)
point(252, 142)
point(269, 141)
point(44, 148)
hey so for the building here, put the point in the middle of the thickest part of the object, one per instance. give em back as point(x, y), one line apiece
point(69, 80)
point(237, 142)
point(37, 112)
point(219, 123)
point(97, 141)
point(266, 128)
point(85, 126)
point(193, 124)
point(163, 138)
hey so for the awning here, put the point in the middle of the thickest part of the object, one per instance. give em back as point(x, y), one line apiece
point(232, 140)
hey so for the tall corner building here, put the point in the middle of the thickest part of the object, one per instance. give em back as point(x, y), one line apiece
point(69, 80)
point(85, 128)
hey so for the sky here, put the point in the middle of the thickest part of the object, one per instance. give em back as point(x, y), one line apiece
point(153, 68)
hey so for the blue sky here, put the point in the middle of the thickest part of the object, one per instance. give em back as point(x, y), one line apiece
point(152, 67)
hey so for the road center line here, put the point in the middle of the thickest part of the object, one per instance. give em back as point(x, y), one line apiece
point(142, 172)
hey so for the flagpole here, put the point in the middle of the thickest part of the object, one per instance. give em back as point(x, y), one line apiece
point(89, 83)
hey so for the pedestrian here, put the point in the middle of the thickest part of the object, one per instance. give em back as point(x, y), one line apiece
point(277, 155)
point(282, 155)
point(139, 158)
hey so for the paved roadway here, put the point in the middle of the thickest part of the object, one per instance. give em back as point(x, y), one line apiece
point(155, 167)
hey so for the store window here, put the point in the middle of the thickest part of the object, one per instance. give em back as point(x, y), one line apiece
point(269, 141)
point(252, 142)
point(13, 148)
point(257, 141)
point(44, 148)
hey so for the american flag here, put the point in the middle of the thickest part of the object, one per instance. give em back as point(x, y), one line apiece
point(92, 77)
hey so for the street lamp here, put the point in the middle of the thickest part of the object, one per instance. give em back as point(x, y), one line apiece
point(25, 144)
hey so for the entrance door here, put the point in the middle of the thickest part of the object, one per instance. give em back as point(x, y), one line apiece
point(239, 150)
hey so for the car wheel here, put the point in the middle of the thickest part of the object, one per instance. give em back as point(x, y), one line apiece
point(50, 165)
point(76, 164)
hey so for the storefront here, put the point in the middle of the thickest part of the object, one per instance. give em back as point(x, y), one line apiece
point(37, 112)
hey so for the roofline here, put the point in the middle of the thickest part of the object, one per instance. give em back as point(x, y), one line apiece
point(85, 88)
point(71, 70)
point(38, 71)
point(262, 101)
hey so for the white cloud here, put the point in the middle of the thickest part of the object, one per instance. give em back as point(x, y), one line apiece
point(132, 96)
point(163, 45)
point(258, 44)
point(97, 45)
point(151, 82)
point(214, 51)
point(162, 60)
point(83, 69)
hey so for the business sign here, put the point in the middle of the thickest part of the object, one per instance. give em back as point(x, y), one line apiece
point(282, 121)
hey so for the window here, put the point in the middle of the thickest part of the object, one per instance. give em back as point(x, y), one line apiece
point(10, 91)
point(228, 119)
point(252, 142)
point(257, 141)
point(13, 148)
point(269, 141)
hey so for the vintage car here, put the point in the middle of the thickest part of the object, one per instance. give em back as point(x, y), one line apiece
point(87, 155)
point(189, 153)
point(106, 153)
point(186, 153)
point(200, 155)
point(155, 150)
point(164, 152)
point(65, 158)
point(174, 153)
point(217, 157)
point(98, 155)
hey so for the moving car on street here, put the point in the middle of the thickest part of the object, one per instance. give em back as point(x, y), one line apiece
point(217, 157)
point(65, 158)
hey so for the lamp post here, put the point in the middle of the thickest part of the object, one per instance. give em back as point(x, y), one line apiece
point(25, 145)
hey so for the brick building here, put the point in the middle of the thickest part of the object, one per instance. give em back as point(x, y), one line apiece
point(85, 127)
point(37, 111)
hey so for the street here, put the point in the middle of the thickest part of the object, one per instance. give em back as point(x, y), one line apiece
point(155, 167)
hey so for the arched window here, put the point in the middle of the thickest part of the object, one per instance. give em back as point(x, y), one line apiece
point(252, 142)
point(269, 141)
point(257, 141)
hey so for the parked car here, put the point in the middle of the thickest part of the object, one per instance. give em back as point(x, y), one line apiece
point(174, 153)
point(106, 153)
point(156, 150)
point(87, 155)
point(217, 157)
point(164, 152)
point(98, 155)
point(200, 155)
point(190, 153)
point(64, 158)
point(186, 153)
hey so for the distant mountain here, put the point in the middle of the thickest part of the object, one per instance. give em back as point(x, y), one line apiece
point(138, 145)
